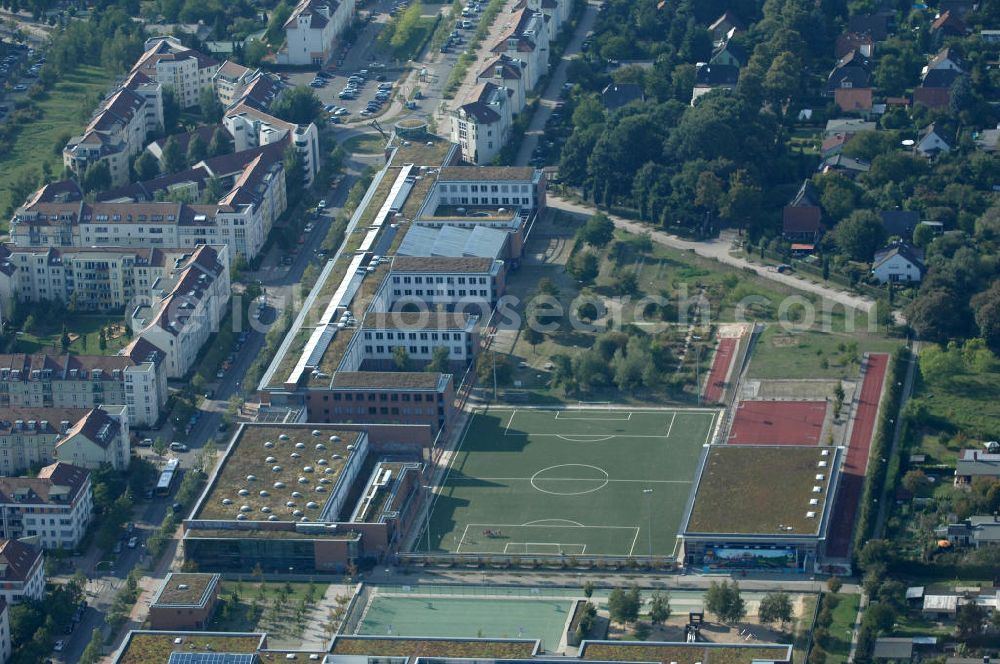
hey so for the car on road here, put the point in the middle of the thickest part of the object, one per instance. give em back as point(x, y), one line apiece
point(133, 542)
point(145, 442)
point(60, 644)
point(178, 447)
point(308, 228)
point(322, 204)
point(20, 87)
point(783, 268)
point(341, 112)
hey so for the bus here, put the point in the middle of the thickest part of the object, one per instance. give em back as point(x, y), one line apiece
point(168, 477)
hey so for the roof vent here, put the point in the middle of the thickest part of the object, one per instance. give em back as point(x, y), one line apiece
point(810, 515)
point(817, 489)
point(814, 501)
point(182, 586)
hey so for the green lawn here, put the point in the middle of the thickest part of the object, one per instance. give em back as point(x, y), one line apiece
point(47, 338)
point(841, 629)
point(815, 353)
point(61, 114)
point(277, 612)
point(961, 405)
point(529, 482)
point(409, 50)
point(364, 144)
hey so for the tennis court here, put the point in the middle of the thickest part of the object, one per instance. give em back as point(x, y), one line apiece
point(778, 423)
point(467, 617)
point(605, 482)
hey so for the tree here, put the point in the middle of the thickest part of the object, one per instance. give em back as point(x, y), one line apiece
point(986, 306)
point(834, 584)
point(211, 108)
point(937, 315)
point(213, 190)
point(254, 52)
point(97, 177)
point(146, 167)
point(838, 399)
point(775, 607)
point(969, 620)
point(439, 360)
point(400, 358)
point(532, 335)
point(276, 23)
point(724, 601)
point(221, 143)
point(860, 235)
point(598, 231)
point(298, 105)
point(64, 339)
point(659, 608)
point(197, 150)
point(171, 111)
point(159, 447)
point(295, 174)
point(588, 589)
point(916, 482)
point(623, 605)
point(171, 158)
point(584, 266)
point(102, 340)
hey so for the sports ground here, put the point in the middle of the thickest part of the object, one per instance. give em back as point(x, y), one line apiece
point(778, 423)
point(605, 482)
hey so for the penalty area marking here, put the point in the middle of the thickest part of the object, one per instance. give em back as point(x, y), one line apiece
point(560, 415)
point(578, 549)
point(488, 526)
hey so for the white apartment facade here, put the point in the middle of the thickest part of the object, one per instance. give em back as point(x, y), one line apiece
point(22, 572)
point(453, 284)
point(418, 333)
point(527, 40)
point(101, 437)
point(507, 72)
point(312, 30)
point(31, 437)
point(186, 308)
point(482, 125)
point(251, 128)
point(56, 506)
point(175, 66)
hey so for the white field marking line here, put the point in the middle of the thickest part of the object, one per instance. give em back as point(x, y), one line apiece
point(521, 525)
point(595, 419)
point(589, 440)
point(671, 427)
point(584, 439)
point(556, 545)
point(511, 420)
point(574, 479)
point(462, 541)
point(539, 522)
point(634, 540)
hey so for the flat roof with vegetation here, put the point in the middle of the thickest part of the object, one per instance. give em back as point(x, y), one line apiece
point(763, 490)
point(183, 589)
point(294, 454)
point(684, 653)
point(409, 647)
point(146, 647)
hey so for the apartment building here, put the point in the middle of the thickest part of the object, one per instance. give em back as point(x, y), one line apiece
point(86, 437)
point(188, 72)
point(22, 572)
point(252, 127)
point(506, 72)
point(135, 377)
point(5, 645)
point(185, 308)
point(527, 39)
point(312, 30)
point(55, 506)
point(482, 125)
point(118, 129)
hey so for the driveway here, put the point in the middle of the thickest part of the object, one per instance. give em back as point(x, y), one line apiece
point(719, 250)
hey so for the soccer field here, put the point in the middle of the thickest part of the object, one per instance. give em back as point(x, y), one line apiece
point(569, 482)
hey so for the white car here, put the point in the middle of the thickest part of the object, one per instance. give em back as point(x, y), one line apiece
point(133, 542)
point(178, 447)
point(342, 111)
point(322, 204)
point(60, 644)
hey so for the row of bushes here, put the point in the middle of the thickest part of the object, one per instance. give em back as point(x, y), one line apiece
point(875, 481)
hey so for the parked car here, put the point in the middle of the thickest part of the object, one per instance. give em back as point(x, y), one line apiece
point(178, 447)
point(60, 644)
point(145, 442)
point(133, 542)
point(322, 204)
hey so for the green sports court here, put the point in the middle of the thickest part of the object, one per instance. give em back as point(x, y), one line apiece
point(589, 481)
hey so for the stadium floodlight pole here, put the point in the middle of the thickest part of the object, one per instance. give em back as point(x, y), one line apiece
point(649, 509)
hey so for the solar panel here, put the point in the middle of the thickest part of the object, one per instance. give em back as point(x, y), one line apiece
point(212, 658)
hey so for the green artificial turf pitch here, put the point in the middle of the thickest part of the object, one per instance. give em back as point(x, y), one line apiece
point(569, 482)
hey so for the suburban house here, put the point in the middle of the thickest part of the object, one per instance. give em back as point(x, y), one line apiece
point(899, 262)
point(709, 77)
point(312, 30)
point(876, 25)
point(849, 166)
point(893, 649)
point(504, 71)
point(934, 90)
point(481, 126)
point(186, 71)
point(988, 140)
point(185, 307)
point(55, 507)
point(850, 82)
point(854, 41)
point(848, 126)
point(942, 607)
point(946, 58)
point(729, 53)
point(948, 25)
point(725, 27)
point(101, 437)
point(973, 463)
point(931, 142)
point(834, 145)
point(900, 223)
point(22, 572)
point(802, 218)
point(616, 95)
point(975, 531)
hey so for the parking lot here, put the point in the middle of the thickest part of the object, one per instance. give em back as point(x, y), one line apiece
point(19, 67)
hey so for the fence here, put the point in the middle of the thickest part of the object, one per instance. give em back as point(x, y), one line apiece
point(817, 271)
point(538, 561)
point(355, 611)
point(446, 590)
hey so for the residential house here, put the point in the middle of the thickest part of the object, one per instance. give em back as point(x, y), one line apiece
point(481, 126)
point(504, 71)
point(22, 572)
point(975, 531)
point(724, 27)
point(231, 80)
point(990, 36)
point(876, 25)
point(556, 12)
point(900, 223)
point(101, 437)
point(709, 77)
point(730, 53)
point(850, 82)
point(932, 141)
point(947, 25)
point(616, 95)
point(184, 601)
point(893, 649)
point(252, 127)
point(527, 39)
point(186, 71)
point(312, 30)
point(834, 145)
point(935, 90)
point(942, 607)
point(958, 7)
point(5, 645)
point(987, 140)
point(854, 41)
point(802, 218)
point(848, 166)
point(135, 377)
point(848, 126)
point(55, 507)
point(946, 58)
point(973, 463)
point(185, 308)
point(898, 263)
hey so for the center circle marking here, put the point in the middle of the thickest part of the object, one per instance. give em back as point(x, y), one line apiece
point(603, 472)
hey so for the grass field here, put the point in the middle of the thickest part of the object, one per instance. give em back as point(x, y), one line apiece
point(364, 144)
point(569, 482)
point(816, 353)
point(88, 327)
point(467, 617)
point(61, 114)
point(844, 614)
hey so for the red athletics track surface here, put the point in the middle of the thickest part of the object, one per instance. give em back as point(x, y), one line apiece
point(720, 368)
point(778, 423)
point(852, 480)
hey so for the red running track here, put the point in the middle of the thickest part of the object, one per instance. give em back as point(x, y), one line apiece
point(852, 480)
point(720, 369)
point(778, 423)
